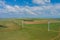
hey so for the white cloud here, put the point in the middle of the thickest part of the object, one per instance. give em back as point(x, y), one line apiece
point(10, 8)
point(47, 1)
point(35, 10)
point(41, 1)
point(16, 9)
point(2, 3)
point(50, 9)
point(29, 11)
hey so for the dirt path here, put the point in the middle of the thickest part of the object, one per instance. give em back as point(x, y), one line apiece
point(40, 22)
point(37, 22)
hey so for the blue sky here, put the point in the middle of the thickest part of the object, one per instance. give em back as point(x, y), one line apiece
point(55, 1)
point(26, 2)
point(30, 8)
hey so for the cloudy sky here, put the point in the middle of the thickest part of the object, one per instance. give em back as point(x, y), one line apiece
point(29, 8)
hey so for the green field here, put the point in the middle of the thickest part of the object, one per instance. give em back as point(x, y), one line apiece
point(55, 26)
point(30, 31)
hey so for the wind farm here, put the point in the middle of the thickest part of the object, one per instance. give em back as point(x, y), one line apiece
point(29, 19)
point(32, 29)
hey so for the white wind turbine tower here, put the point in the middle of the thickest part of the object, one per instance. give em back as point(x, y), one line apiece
point(48, 25)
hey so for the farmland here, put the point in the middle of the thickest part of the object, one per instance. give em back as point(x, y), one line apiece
point(36, 30)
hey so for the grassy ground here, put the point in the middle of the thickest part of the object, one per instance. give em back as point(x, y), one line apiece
point(55, 26)
point(31, 32)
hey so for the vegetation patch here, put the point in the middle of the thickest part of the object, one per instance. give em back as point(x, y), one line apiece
point(9, 26)
point(38, 30)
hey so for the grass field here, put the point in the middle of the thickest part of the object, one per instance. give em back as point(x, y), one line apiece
point(30, 31)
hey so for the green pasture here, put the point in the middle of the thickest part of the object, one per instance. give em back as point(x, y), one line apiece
point(30, 31)
point(55, 26)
